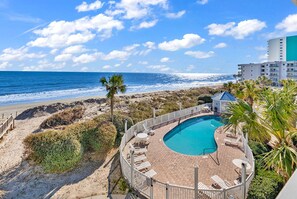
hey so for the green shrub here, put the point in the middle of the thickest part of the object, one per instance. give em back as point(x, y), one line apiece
point(61, 150)
point(66, 117)
point(265, 185)
point(102, 139)
point(258, 148)
point(54, 150)
point(64, 155)
point(206, 98)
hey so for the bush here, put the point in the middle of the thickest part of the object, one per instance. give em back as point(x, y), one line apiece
point(265, 185)
point(64, 155)
point(61, 150)
point(53, 150)
point(66, 117)
point(206, 98)
point(258, 148)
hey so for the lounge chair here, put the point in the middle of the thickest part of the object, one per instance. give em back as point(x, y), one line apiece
point(150, 173)
point(137, 150)
point(222, 183)
point(149, 131)
point(205, 191)
point(232, 142)
point(140, 158)
point(143, 166)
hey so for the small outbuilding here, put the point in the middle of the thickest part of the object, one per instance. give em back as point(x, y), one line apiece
point(221, 100)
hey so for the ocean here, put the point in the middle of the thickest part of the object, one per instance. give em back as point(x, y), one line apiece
point(28, 87)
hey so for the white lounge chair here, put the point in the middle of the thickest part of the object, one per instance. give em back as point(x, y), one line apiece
point(232, 142)
point(143, 166)
point(140, 158)
point(222, 183)
point(208, 193)
point(137, 150)
point(149, 131)
point(150, 173)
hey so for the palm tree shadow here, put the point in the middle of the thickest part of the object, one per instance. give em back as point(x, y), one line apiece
point(25, 181)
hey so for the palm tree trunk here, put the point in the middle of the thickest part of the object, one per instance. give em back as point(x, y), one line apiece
point(111, 108)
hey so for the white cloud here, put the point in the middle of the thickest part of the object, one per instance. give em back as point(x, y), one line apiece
point(188, 41)
point(129, 65)
point(4, 65)
point(116, 54)
point(54, 51)
point(221, 45)
point(263, 58)
point(65, 33)
point(10, 54)
point(145, 24)
point(74, 49)
point(159, 68)
point(131, 47)
point(149, 45)
point(239, 31)
point(85, 58)
point(63, 57)
point(190, 68)
point(289, 24)
point(106, 66)
point(45, 65)
point(84, 69)
point(176, 15)
point(136, 9)
point(117, 65)
point(88, 7)
point(202, 2)
point(164, 59)
point(200, 54)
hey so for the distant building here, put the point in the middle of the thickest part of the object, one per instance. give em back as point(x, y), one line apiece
point(220, 101)
point(282, 49)
point(282, 62)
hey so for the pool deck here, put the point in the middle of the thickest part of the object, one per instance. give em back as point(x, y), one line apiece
point(178, 169)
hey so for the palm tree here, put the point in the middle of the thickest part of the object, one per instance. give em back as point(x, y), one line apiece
point(250, 92)
point(279, 111)
point(240, 116)
point(263, 81)
point(114, 85)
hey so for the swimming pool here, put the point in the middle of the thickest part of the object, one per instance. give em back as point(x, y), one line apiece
point(194, 136)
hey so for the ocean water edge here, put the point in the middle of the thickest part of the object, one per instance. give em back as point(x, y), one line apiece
point(30, 87)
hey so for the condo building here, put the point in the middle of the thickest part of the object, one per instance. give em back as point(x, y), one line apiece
point(281, 64)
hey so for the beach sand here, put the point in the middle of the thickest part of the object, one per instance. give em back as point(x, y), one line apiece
point(18, 179)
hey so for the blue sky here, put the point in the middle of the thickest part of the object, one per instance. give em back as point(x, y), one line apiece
point(206, 36)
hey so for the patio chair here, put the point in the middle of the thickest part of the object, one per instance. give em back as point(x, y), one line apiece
point(205, 191)
point(232, 142)
point(149, 131)
point(138, 150)
point(150, 173)
point(143, 166)
point(222, 183)
point(138, 159)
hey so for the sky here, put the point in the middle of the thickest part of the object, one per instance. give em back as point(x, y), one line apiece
point(169, 36)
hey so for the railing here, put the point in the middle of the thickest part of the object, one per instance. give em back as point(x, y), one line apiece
point(8, 124)
point(152, 188)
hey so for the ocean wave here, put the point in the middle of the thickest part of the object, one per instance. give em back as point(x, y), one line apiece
point(100, 91)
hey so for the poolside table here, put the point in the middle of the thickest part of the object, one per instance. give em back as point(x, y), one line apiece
point(142, 137)
point(238, 164)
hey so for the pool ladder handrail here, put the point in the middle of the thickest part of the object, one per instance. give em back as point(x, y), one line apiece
point(217, 155)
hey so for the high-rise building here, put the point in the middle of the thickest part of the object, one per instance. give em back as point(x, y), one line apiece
point(282, 49)
point(282, 62)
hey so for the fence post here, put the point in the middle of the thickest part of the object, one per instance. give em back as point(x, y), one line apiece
point(152, 191)
point(132, 166)
point(196, 181)
point(225, 195)
point(243, 180)
point(167, 190)
point(126, 125)
point(180, 106)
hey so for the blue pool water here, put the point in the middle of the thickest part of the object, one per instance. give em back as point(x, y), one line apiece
point(194, 136)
